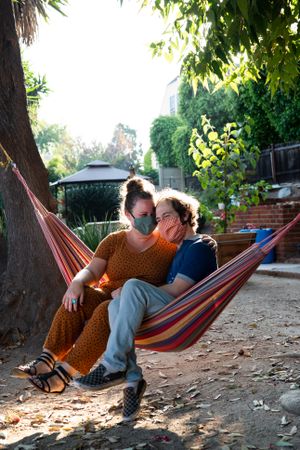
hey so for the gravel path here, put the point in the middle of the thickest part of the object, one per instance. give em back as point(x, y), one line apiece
point(222, 394)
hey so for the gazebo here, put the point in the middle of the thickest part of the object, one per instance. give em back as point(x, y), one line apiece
point(95, 172)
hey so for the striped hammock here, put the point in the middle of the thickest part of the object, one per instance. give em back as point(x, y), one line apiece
point(183, 321)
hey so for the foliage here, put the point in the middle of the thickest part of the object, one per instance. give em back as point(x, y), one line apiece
point(83, 153)
point(96, 201)
point(232, 39)
point(217, 106)
point(180, 142)
point(222, 164)
point(63, 154)
point(148, 159)
point(36, 87)
point(275, 119)
point(161, 134)
point(49, 136)
point(90, 232)
point(149, 170)
point(26, 15)
point(152, 174)
point(56, 169)
point(123, 150)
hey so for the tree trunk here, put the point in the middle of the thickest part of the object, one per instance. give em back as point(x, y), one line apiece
point(31, 286)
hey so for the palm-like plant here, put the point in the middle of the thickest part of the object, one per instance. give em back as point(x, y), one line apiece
point(27, 13)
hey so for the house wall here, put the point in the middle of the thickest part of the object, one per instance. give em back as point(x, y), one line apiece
point(274, 216)
point(169, 105)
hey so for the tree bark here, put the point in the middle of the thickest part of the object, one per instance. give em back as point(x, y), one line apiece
point(31, 286)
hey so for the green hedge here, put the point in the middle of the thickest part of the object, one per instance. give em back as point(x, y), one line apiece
point(93, 203)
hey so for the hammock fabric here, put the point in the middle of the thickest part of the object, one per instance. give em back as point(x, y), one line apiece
point(182, 322)
point(70, 253)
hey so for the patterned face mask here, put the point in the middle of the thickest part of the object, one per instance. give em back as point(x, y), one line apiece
point(172, 229)
point(145, 225)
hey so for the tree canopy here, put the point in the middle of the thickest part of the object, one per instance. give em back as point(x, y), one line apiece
point(161, 134)
point(232, 39)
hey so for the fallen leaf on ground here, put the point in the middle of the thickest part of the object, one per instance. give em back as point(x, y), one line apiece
point(283, 444)
point(284, 421)
point(162, 375)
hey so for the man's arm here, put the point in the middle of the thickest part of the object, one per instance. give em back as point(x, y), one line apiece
point(178, 286)
point(198, 262)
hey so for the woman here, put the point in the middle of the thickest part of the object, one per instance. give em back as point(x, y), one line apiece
point(138, 252)
point(176, 215)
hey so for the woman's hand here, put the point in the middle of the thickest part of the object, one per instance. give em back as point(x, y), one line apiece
point(116, 293)
point(73, 296)
point(210, 242)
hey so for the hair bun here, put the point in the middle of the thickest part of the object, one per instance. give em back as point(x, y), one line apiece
point(135, 185)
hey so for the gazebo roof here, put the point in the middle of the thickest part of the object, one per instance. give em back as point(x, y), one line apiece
point(95, 171)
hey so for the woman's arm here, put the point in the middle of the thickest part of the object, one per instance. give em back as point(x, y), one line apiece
point(87, 276)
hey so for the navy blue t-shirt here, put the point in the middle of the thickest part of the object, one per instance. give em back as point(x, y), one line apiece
point(194, 260)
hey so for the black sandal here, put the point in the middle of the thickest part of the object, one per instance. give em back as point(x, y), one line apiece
point(27, 370)
point(41, 381)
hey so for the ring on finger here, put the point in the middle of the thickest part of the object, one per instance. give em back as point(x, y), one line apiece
point(74, 301)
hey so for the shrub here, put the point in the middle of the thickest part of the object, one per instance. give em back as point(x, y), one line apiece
point(91, 233)
point(92, 202)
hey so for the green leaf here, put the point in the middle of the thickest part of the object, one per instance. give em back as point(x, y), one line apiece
point(243, 6)
point(234, 87)
point(195, 85)
point(207, 153)
point(206, 164)
point(283, 444)
point(212, 136)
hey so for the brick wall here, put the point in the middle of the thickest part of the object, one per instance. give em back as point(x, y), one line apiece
point(274, 215)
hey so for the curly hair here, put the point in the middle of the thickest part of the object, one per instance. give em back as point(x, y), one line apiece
point(182, 203)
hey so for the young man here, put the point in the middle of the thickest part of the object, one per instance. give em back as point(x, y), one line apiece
point(176, 215)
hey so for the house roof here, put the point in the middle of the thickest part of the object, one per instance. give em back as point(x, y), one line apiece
point(95, 171)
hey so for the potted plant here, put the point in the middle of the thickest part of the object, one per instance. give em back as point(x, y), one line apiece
point(222, 163)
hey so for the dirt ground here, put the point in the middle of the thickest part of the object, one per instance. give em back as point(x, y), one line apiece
point(221, 394)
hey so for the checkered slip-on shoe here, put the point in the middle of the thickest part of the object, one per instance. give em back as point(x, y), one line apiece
point(99, 379)
point(132, 400)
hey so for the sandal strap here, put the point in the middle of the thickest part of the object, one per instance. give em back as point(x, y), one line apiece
point(44, 377)
point(61, 372)
point(46, 358)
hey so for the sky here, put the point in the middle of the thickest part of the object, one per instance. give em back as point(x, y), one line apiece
point(100, 70)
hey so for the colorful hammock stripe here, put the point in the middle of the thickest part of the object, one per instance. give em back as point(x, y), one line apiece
point(70, 253)
point(183, 321)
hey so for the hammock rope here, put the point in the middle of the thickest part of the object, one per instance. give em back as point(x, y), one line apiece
point(183, 321)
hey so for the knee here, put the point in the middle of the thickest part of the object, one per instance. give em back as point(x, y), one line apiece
point(132, 285)
point(134, 291)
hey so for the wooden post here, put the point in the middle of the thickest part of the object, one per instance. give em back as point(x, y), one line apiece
point(273, 164)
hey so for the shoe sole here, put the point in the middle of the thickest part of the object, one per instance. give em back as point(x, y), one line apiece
point(85, 387)
point(18, 373)
point(133, 416)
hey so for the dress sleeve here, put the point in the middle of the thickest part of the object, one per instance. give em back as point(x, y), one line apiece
point(198, 262)
point(105, 247)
